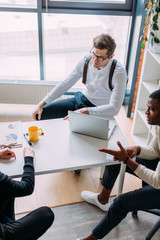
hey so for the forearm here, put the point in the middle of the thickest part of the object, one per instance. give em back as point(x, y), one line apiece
point(132, 164)
point(42, 103)
point(26, 185)
point(28, 169)
point(13, 188)
point(28, 177)
point(149, 176)
point(62, 87)
point(149, 153)
point(104, 110)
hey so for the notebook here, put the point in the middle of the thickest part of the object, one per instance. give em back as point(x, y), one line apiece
point(90, 125)
point(11, 134)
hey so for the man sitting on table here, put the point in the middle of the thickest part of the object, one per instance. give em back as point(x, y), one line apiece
point(148, 169)
point(97, 97)
point(34, 224)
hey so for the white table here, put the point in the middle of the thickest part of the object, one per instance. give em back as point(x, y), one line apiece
point(61, 150)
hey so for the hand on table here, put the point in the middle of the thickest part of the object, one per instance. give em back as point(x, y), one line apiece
point(28, 152)
point(6, 153)
point(81, 110)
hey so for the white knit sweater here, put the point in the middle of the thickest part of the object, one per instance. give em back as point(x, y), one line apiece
point(150, 152)
point(97, 91)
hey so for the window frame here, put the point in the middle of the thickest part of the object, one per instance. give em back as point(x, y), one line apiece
point(46, 6)
point(107, 6)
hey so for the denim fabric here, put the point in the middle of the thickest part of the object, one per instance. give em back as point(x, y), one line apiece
point(146, 197)
point(60, 108)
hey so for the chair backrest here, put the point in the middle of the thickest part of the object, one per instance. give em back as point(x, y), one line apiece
point(155, 227)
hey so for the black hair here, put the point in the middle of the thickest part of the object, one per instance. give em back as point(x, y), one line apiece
point(155, 94)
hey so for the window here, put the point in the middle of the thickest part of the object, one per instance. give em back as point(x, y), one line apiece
point(124, 5)
point(44, 39)
point(106, 1)
point(69, 37)
point(18, 3)
point(19, 58)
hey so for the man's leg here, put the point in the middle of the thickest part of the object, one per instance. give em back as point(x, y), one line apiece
point(101, 199)
point(109, 177)
point(30, 227)
point(58, 109)
point(140, 199)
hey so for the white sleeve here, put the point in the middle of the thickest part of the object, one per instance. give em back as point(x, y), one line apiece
point(149, 176)
point(151, 151)
point(66, 84)
point(117, 96)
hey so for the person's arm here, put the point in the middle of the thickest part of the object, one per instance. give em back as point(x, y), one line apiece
point(61, 88)
point(152, 151)
point(116, 98)
point(149, 176)
point(81, 110)
point(25, 187)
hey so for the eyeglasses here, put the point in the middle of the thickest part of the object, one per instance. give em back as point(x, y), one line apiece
point(100, 59)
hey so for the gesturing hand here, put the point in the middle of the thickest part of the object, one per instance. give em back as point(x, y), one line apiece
point(119, 155)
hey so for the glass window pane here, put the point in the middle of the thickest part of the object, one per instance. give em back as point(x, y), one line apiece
point(19, 46)
point(69, 37)
point(104, 1)
point(18, 3)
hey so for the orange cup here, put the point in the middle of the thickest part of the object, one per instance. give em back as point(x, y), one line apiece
point(34, 133)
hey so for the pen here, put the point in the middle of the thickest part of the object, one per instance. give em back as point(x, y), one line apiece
point(29, 142)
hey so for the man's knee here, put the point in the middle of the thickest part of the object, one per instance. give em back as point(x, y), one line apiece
point(120, 204)
point(112, 170)
point(47, 215)
point(118, 201)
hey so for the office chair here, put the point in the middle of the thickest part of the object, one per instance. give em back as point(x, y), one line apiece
point(155, 227)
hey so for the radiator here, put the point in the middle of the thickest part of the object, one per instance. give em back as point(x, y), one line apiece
point(23, 93)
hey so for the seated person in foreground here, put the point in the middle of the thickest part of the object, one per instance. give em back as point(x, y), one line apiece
point(146, 167)
point(34, 224)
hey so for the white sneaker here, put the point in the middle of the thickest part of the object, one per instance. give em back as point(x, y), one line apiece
point(92, 198)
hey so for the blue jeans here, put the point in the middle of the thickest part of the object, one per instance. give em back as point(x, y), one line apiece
point(146, 197)
point(60, 108)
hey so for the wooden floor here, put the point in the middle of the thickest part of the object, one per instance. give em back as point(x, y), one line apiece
point(65, 188)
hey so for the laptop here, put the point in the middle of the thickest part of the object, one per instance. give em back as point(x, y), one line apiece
point(90, 125)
